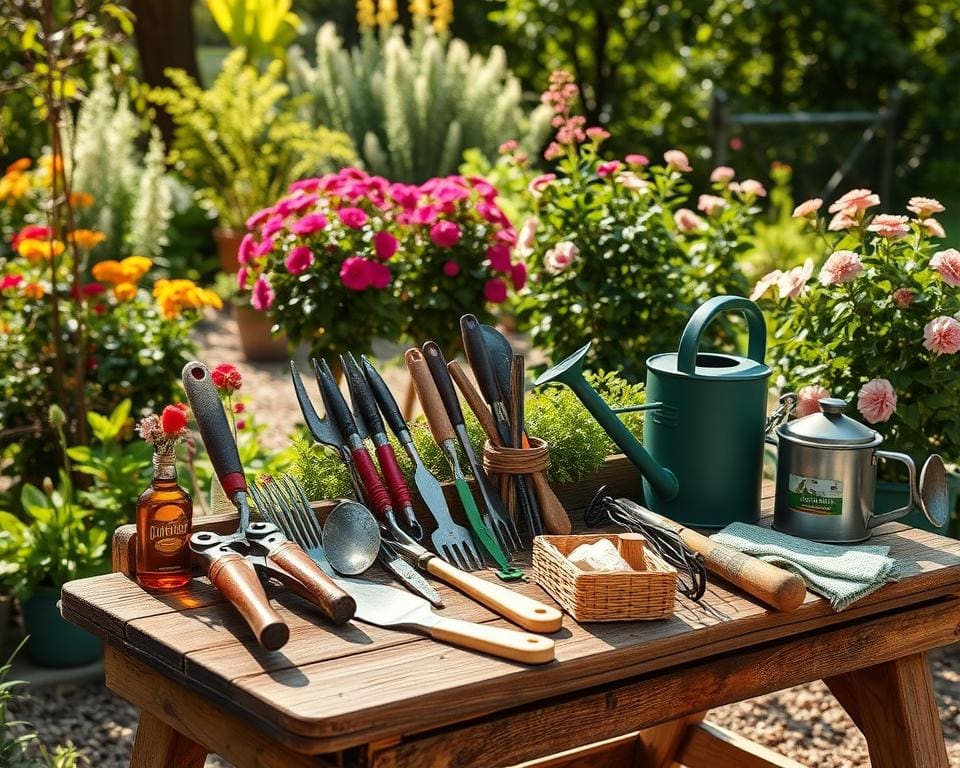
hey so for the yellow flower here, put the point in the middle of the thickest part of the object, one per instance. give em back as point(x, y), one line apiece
point(130, 270)
point(81, 199)
point(19, 165)
point(174, 296)
point(86, 238)
point(366, 14)
point(386, 12)
point(13, 186)
point(124, 291)
point(51, 162)
point(35, 250)
point(442, 15)
point(135, 267)
point(420, 9)
point(211, 299)
point(34, 291)
point(108, 271)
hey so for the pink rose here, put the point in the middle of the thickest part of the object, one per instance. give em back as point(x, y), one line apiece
point(299, 260)
point(425, 214)
point(808, 399)
point(518, 275)
point(380, 276)
point(765, 283)
point(295, 204)
point(262, 298)
point(490, 212)
point(445, 234)
point(242, 274)
point(687, 221)
point(711, 204)
point(538, 184)
point(841, 221)
point(553, 151)
point(508, 147)
point(722, 174)
point(507, 235)
point(385, 245)
point(855, 201)
point(355, 273)
point(877, 401)
point(753, 187)
point(265, 247)
point(597, 134)
point(933, 228)
point(889, 226)
point(841, 267)
point(608, 168)
point(312, 222)
point(485, 188)
point(807, 208)
point(499, 256)
point(924, 206)
point(560, 257)
point(273, 225)
point(677, 161)
point(630, 180)
point(527, 239)
point(947, 263)
point(247, 248)
point(942, 335)
point(495, 291)
point(903, 298)
point(354, 218)
point(637, 161)
point(406, 195)
point(259, 217)
point(793, 283)
point(451, 268)
point(305, 185)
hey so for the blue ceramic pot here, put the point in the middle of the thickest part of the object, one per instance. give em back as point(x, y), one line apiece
point(54, 641)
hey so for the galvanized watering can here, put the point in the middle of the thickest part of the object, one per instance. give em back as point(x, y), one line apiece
point(703, 431)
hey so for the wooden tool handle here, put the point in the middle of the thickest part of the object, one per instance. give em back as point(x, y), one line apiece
point(528, 613)
point(554, 516)
point(774, 586)
point(429, 397)
point(505, 643)
point(475, 400)
point(322, 590)
point(237, 581)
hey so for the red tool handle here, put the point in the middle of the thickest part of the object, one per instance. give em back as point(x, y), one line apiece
point(393, 476)
point(376, 492)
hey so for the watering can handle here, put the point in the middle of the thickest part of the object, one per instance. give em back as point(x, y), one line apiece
point(706, 312)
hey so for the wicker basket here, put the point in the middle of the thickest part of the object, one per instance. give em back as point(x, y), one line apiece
point(645, 593)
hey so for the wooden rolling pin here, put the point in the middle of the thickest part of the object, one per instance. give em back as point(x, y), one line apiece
point(774, 586)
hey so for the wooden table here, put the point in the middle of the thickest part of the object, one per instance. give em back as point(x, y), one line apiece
point(623, 694)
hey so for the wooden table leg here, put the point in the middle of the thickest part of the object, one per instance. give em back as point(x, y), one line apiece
point(157, 745)
point(895, 707)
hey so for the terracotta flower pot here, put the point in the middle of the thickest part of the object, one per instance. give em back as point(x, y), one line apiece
point(258, 344)
point(228, 243)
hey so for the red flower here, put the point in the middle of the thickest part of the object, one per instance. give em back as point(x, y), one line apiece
point(495, 291)
point(30, 232)
point(226, 378)
point(445, 234)
point(518, 275)
point(173, 420)
point(499, 256)
point(241, 424)
point(451, 268)
point(92, 289)
point(10, 281)
point(385, 245)
point(355, 273)
point(239, 408)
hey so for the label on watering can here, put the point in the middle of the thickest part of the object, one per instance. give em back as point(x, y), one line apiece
point(815, 495)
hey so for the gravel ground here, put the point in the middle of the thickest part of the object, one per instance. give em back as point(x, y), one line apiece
point(804, 723)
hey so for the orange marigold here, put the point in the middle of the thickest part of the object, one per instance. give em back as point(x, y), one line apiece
point(135, 267)
point(34, 291)
point(81, 199)
point(35, 250)
point(86, 238)
point(19, 165)
point(124, 291)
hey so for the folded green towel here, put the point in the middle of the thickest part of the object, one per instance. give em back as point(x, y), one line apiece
point(842, 574)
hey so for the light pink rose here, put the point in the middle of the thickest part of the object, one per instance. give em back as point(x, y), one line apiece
point(924, 206)
point(947, 263)
point(765, 283)
point(630, 180)
point(933, 228)
point(854, 201)
point(560, 257)
point(262, 297)
point(903, 298)
point(807, 208)
point(808, 399)
point(889, 226)
point(687, 221)
point(637, 160)
point(711, 204)
point(527, 238)
point(676, 161)
point(841, 221)
point(877, 401)
point(299, 260)
point(841, 267)
point(793, 283)
point(722, 174)
point(753, 187)
point(942, 335)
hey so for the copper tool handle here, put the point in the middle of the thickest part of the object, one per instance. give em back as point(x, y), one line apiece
point(554, 516)
point(323, 591)
point(237, 581)
point(475, 400)
point(429, 397)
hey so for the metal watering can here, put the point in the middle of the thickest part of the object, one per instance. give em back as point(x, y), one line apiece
point(703, 430)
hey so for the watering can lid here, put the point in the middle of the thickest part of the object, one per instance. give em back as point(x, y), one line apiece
point(710, 365)
point(829, 426)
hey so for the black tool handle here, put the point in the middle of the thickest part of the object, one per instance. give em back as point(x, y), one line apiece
point(385, 399)
point(361, 395)
point(214, 428)
point(441, 377)
point(333, 398)
point(479, 357)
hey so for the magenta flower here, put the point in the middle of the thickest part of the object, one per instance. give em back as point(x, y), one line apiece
point(425, 214)
point(385, 245)
point(242, 274)
point(312, 222)
point(947, 263)
point(299, 260)
point(541, 182)
point(451, 268)
point(445, 234)
point(262, 298)
point(264, 247)
point(259, 217)
point(499, 256)
point(354, 218)
point(246, 249)
point(355, 273)
point(518, 275)
point(10, 281)
point(507, 235)
point(305, 185)
point(495, 290)
point(841, 267)
point(608, 168)
point(808, 399)
point(273, 225)
point(877, 401)
point(295, 203)
point(380, 276)
point(485, 188)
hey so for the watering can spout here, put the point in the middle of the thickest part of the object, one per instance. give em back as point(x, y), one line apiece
point(570, 372)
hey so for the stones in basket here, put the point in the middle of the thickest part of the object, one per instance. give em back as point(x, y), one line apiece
point(644, 592)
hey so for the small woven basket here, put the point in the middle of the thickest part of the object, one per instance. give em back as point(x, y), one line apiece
point(643, 594)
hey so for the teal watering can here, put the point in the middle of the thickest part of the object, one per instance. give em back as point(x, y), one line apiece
point(703, 430)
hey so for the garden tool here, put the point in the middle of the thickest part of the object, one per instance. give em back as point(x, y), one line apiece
point(386, 606)
point(234, 562)
point(450, 540)
point(703, 433)
point(497, 518)
point(446, 439)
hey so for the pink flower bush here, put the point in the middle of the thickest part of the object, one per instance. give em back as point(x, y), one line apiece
point(877, 401)
point(299, 260)
point(560, 257)
point(855, 201)
point(722, 174)
point(711, 204)
point(385, 245)
point(889, 225)
point(841, 267)
point(677, 161)
point(687, 221)
point(445, 234)
point(924, 207)
point(808, 399)
point(355, 273)
point(942, 335)
point(807, 208)
point(262, 298)
point(753, 187)
point(947, 264)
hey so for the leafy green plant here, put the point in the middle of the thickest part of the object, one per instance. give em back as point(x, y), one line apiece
point(412, 109)
point(263, 28)
point(240, 142)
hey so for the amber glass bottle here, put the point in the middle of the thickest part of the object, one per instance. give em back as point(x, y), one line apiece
point(164, 517)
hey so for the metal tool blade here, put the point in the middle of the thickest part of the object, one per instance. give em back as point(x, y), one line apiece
point(407, 575)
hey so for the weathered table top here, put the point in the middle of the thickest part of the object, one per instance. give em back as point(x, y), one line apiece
point(331, 688)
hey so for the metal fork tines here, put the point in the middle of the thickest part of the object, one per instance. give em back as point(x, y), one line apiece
point(284, 503)
point(453, 543)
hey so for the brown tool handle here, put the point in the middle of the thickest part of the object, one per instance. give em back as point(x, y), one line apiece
point(554, 516)
point(320, 588)
point(429, 397)
point(497, 641)
point(774, 586)
point(476, 402)
point(237, 581)
point(528, 613)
